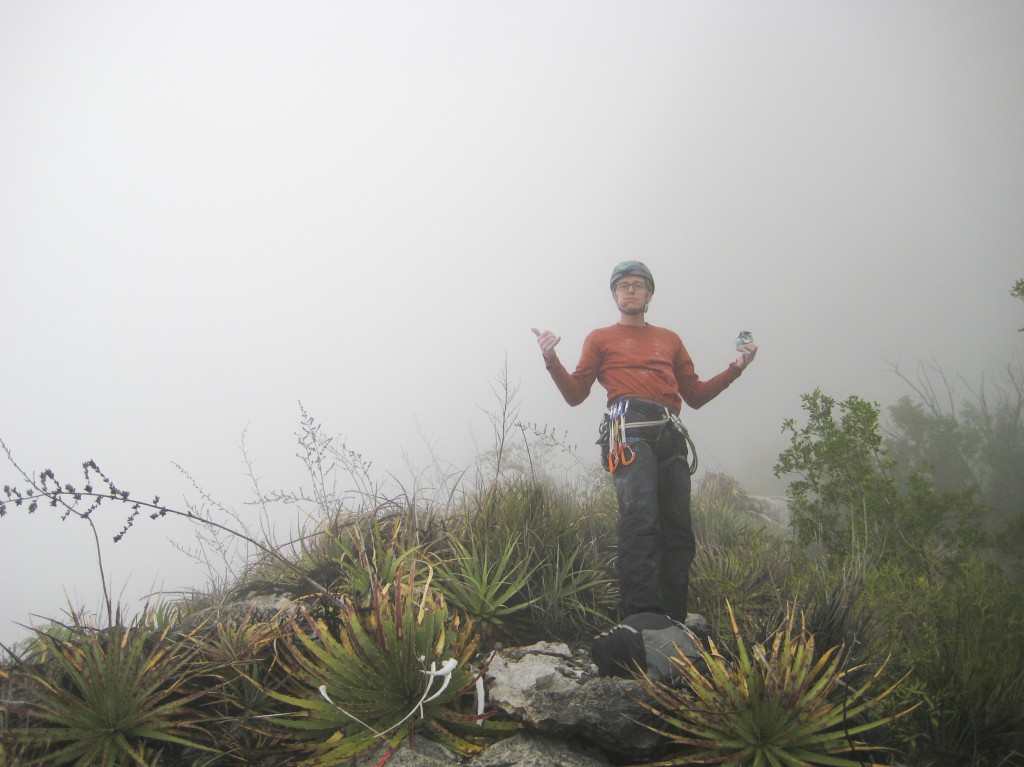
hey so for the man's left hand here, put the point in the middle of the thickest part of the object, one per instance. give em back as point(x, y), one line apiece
point(747, 354)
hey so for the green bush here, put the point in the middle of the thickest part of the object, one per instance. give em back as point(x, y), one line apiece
point(937, 598)
point(843, 494)
point(738, 561)
point(961, 633)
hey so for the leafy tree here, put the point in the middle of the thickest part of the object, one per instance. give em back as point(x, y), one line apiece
point(848, 492)
point(844, 484)
point(933, 444)
point(976, 444)
point(946, 609)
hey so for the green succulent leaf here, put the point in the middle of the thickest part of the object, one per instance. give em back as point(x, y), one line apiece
point(108, 696)
point(402, 665)
point(776, 706)
point(487, 590)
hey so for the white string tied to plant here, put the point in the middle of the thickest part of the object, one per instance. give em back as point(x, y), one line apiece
point(481, 699)
point(445, 672)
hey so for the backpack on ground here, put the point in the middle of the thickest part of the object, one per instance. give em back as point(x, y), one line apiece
point(644, 642)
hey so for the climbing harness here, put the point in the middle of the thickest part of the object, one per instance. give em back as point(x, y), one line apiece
point(619, 451)
point(613, 435)
point(677, 422)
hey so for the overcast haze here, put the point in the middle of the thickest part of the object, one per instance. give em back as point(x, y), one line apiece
point(210, 211)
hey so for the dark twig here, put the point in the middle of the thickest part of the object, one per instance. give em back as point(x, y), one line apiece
point(48, 489)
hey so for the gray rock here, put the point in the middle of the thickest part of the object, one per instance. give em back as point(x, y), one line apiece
point(424, 753)
point(263, 608)
point(529, 750)
point(522, 750)
point(543, 687)
point(772, 510)
point(517, 675)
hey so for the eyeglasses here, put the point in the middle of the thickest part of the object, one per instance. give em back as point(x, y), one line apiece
point(625, 287)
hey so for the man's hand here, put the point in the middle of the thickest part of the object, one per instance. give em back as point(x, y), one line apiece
point(547, 342)
point(747, 353)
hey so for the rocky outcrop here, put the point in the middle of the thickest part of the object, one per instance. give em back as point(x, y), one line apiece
point(570, 717)
point(554, 692)
point(770, 510)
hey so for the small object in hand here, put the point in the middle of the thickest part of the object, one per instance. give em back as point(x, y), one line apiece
point(745, 337)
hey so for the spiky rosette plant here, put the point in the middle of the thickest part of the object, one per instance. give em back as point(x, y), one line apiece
point(242, 664)
point(487, 588)
point(774, 708)
point(114, 696)
point(401, 667)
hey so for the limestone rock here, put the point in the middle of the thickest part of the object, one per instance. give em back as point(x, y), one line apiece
point(547, 689)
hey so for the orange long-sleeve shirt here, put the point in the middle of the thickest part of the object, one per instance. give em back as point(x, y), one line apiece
point(647, 362)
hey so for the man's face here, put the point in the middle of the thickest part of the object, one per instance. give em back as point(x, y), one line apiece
point(632, 294)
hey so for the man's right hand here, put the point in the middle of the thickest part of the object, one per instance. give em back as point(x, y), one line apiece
point(547, 342)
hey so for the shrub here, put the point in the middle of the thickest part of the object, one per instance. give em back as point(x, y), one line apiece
point(738, 560)
point(843, 493)
point(963, 633)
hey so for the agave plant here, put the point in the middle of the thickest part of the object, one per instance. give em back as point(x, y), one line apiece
point(776, 707)
point(531, 559)
point(402, 666)
point(376, 556)
point(348, 554)
point(747, 577)
point(570, 597)
point(488, 590)
point(242, 667)
point(105, 697)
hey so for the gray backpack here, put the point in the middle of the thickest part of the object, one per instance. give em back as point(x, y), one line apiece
point(645, 642)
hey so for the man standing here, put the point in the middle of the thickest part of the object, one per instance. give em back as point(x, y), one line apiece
point(648, 375)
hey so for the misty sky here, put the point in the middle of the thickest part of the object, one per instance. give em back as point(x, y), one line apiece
point(210, 211)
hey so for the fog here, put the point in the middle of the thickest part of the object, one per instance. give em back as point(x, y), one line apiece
point(212, 211)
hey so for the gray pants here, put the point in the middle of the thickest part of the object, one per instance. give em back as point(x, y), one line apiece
point(656, 541)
